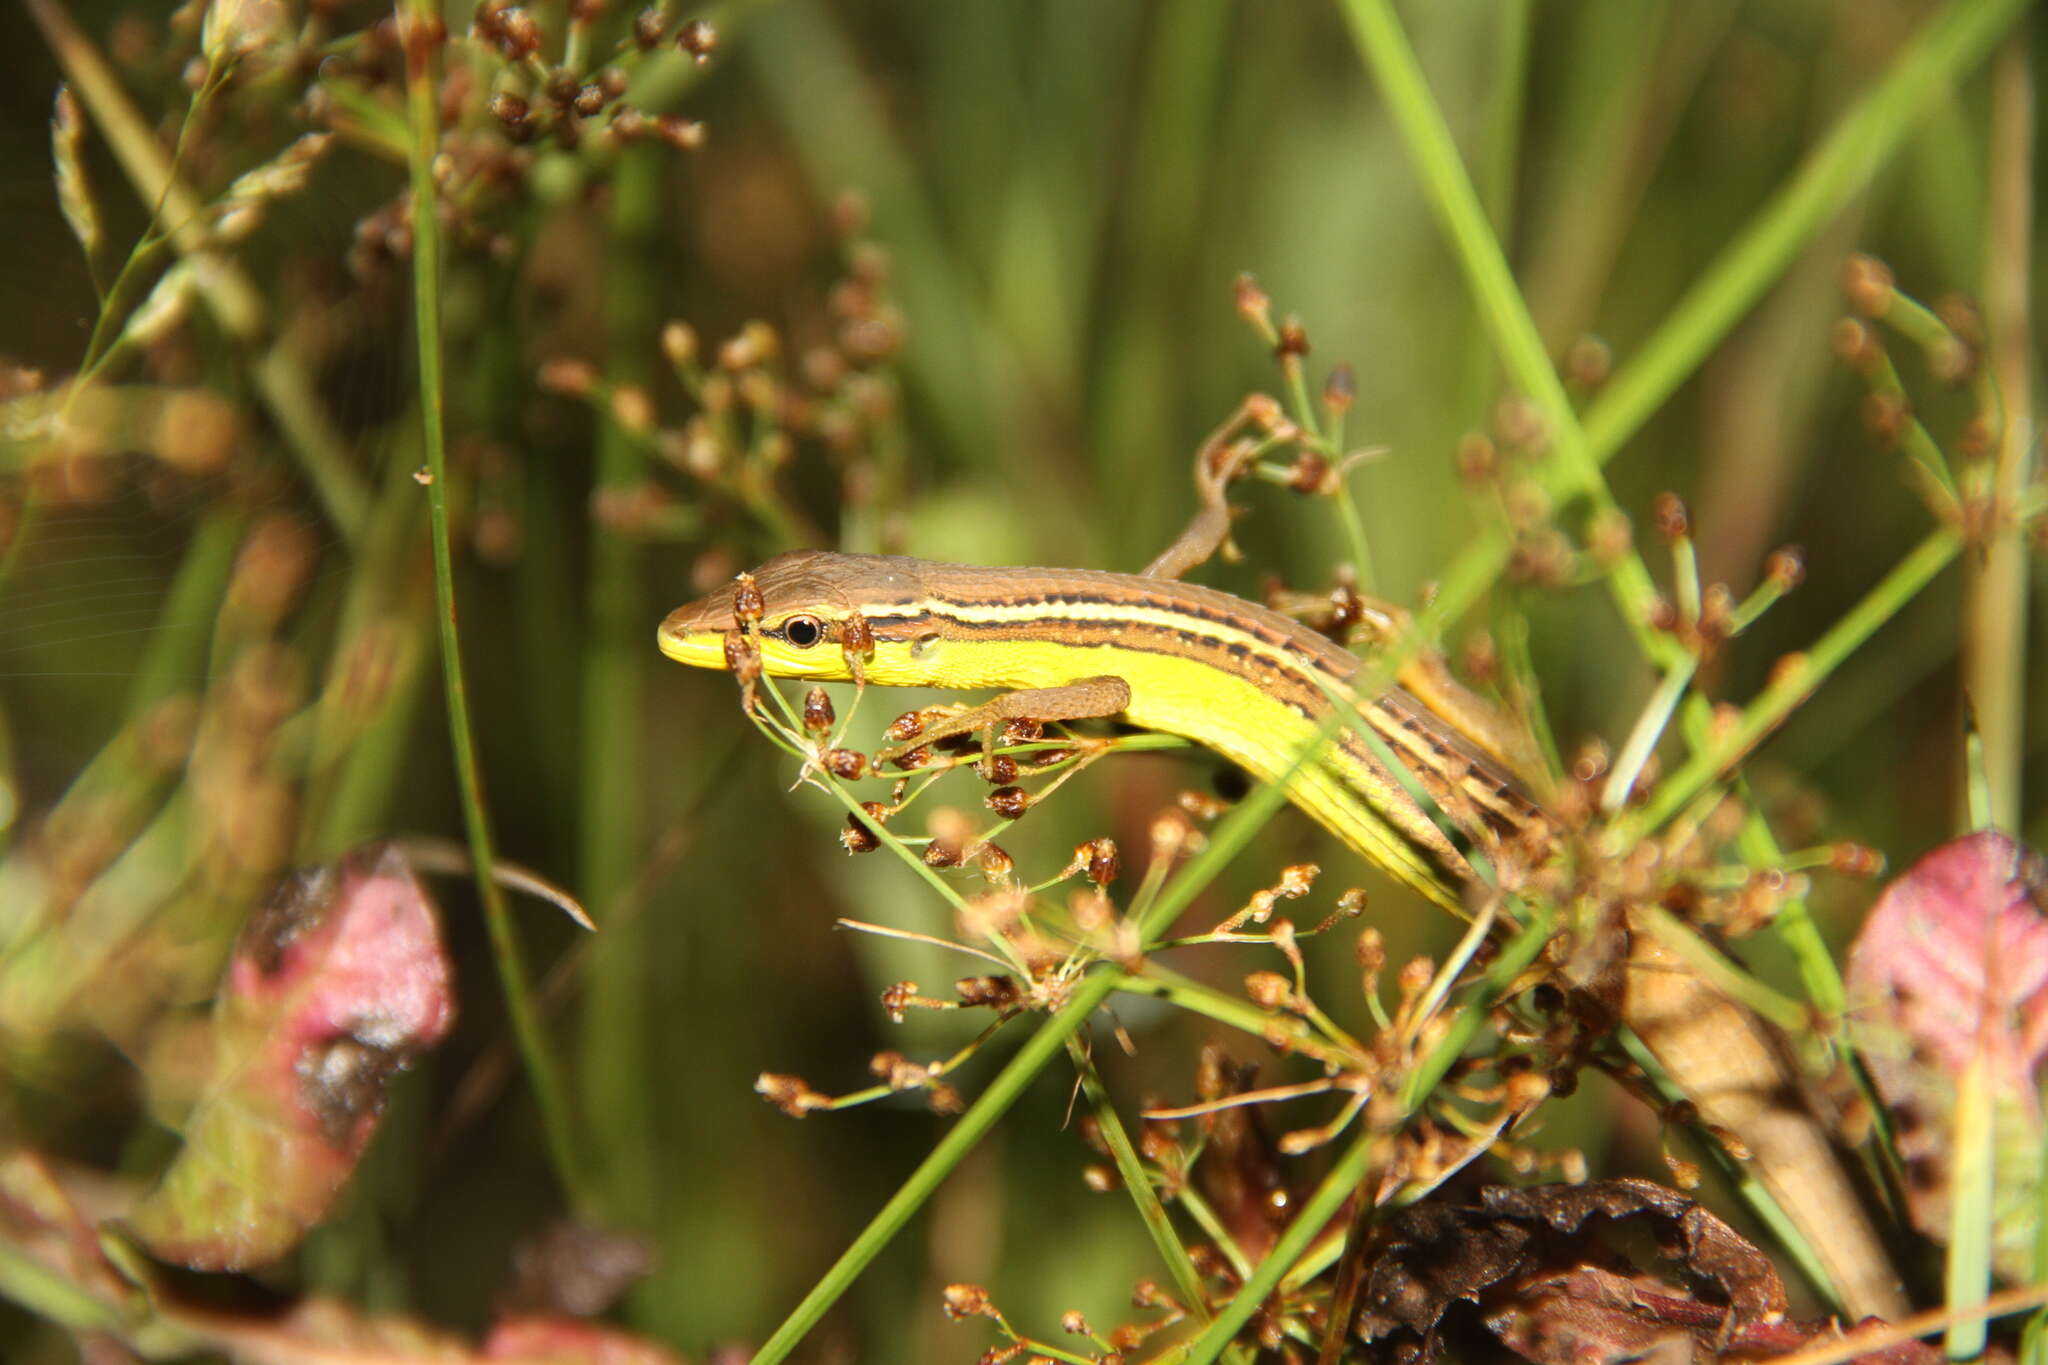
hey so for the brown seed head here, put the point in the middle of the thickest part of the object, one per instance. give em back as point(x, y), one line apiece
point(1869, 285)
point(818, 713)
point(1293, 340)
point(569, 377)
point(513, 111)
point(1269, 990)
point(697, 39)
point(1587, 362)
point(1856, 860)
point(1476, 460)
point(1785, 569)
point(1008, 802)
point(1253, 305)
point(1340, 390)
point(679, 344)
point(685, 135)
point(1310, 473)
point(747, 605)
point(1669, 516)
point(1102, 859)
point(743, 658)
point(1856, 342)
point(1886, 415)
point(967, 1301)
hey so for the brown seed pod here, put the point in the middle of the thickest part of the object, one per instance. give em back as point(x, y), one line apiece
point(747, 605)
point(848, 765)
point(1785, 569)
point(857, 637)
point(998, 770)
point(1008, 802)
point(857, 837)
point(818, 713)
point(1103, 861)
point(1340, 390)
point(743, 657)
point(1668, 514)
point(697, 39)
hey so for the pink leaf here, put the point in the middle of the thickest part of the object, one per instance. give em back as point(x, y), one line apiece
point(1951, 971)
point(337, 982)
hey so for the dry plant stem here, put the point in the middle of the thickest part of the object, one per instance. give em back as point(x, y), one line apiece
point(1994, 643)
point(1884, 1335)
point(417, 20)
point(234, 300)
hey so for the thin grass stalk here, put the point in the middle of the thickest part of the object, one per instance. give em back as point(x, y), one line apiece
point(1138, 1185)
point(618, 1061)
point(1497, 161)
point(1995, 636)
point(418, 20)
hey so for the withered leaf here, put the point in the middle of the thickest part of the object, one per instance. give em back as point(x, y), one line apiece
point(1545, 1275)
point(337, 981)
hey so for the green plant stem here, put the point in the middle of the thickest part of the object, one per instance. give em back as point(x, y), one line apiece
point(1995, 639)
point(615, 1047)
point(416, 17)
point(1973, 1153)
point(1138, 1184)
point(1792, 685)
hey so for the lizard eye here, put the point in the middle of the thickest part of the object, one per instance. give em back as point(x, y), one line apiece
point(803, 631)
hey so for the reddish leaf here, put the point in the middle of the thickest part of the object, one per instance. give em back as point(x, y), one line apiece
point(1951, 971)
point(338, 980)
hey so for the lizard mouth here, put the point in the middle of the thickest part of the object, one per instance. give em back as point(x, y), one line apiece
point(695, 634)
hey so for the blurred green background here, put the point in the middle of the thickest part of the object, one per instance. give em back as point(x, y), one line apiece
point(1064, 193)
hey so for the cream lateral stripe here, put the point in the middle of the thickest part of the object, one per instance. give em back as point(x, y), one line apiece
point(1432, 746)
